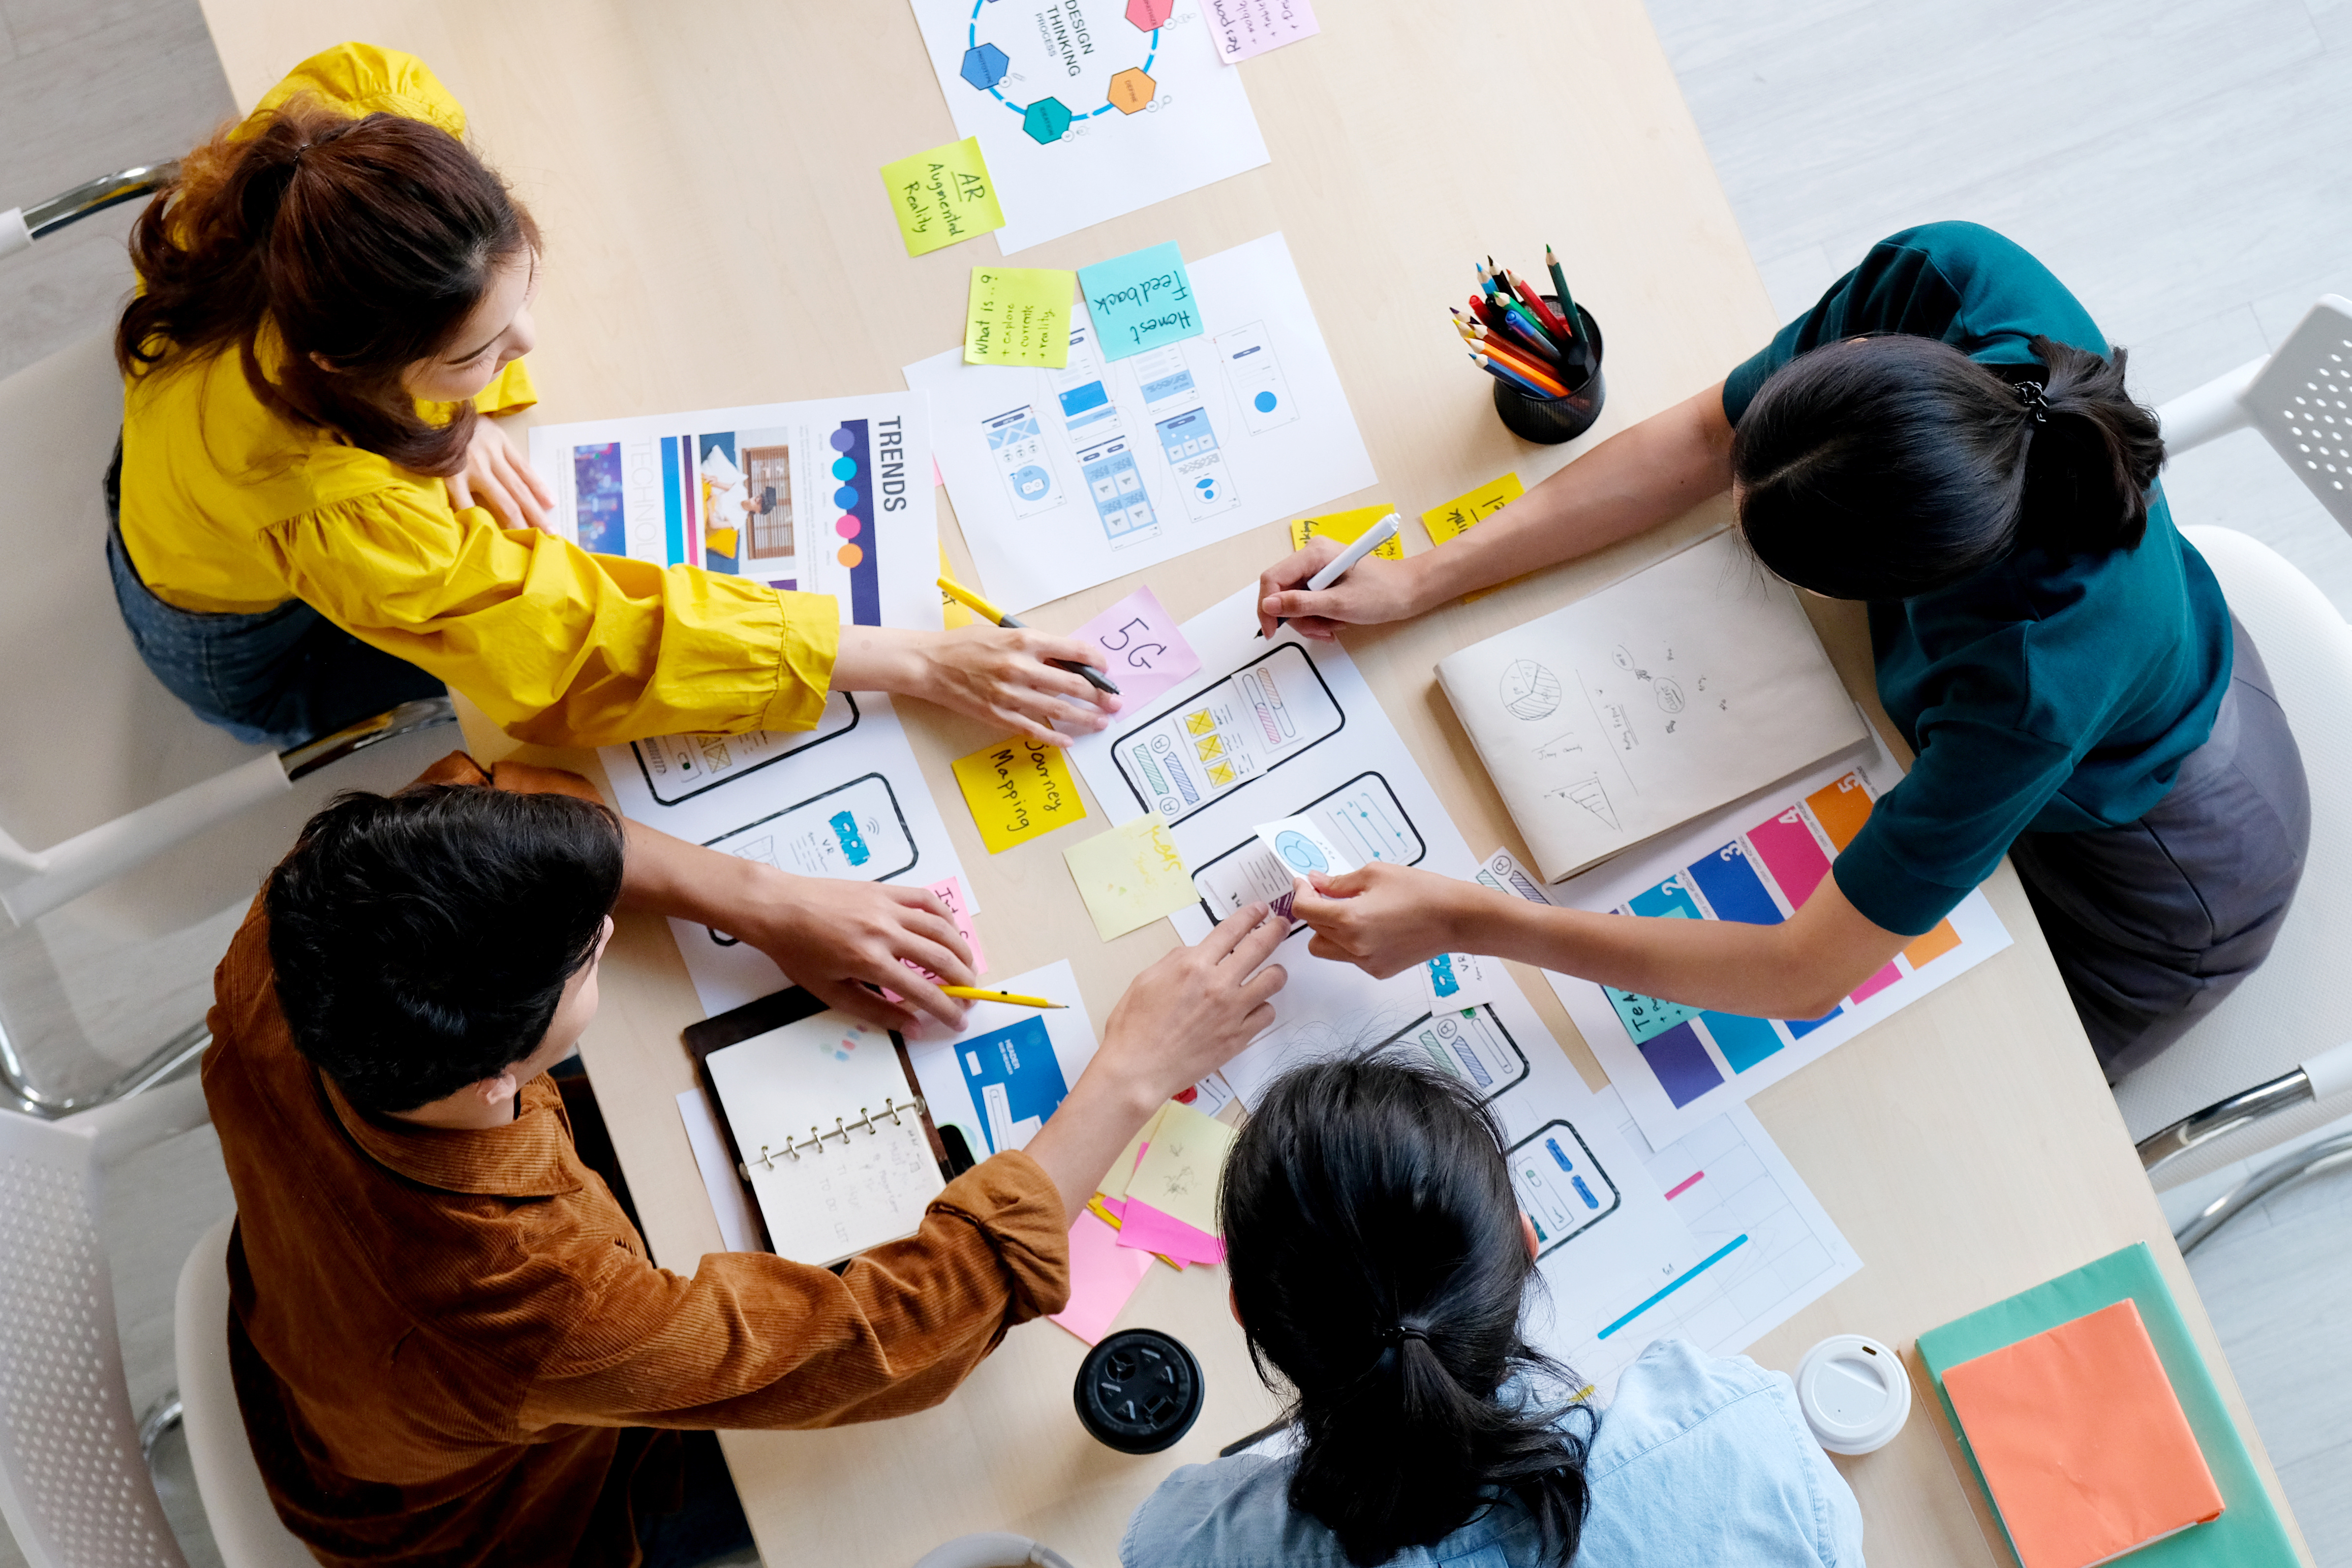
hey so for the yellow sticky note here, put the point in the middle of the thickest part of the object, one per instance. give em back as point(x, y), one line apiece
point(1344, 526)
point(1114, 1184)
point(943, 195)
point(1130, 876)
point(1458, 516)
point(953, 612)
point(1020, 315)
point(1018, 789)
point(1178, 1173)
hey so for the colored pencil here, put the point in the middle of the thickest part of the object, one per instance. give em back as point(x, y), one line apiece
point(1547, 362)
point(1543, 308)
point(977, 994)
point(1510, 378)
point(1559, 283)
point(1541, 384)
point(1532, 336)
point(1521, 365)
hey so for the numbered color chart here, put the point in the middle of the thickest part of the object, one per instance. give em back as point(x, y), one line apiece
point(1755, 864)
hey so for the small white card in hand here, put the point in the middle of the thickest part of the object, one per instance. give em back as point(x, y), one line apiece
point(1300, 846)
point(1452, 982)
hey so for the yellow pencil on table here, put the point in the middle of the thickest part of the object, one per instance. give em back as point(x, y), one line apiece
point(974, 993)
point(980, 606)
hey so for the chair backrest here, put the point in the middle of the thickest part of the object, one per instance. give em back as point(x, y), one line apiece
point(2300, 1001)
point(245, 1523)
point(73, 1485)
point(2302, 403)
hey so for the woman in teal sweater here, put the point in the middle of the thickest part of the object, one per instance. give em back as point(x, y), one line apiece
point(1947, 436)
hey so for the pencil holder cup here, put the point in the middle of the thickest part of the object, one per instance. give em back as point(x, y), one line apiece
point(1549, 421)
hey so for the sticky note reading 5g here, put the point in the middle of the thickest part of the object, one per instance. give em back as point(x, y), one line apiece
point(1018, 789)
point(1140, 300)
point(1020, 315)
point(942, 196)
point(1145, 649)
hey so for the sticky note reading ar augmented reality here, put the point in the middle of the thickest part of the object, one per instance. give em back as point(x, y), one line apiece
point(1018, 789)
point(1140, 300)
point(943, 195)
point(1020, 315)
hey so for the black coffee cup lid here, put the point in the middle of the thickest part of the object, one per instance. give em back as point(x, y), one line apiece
point(1140, 1391)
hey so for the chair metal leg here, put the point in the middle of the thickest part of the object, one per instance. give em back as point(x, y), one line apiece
point(97, 195)
point(2327, 1154)
point(161, 1417)
point(18, 1086)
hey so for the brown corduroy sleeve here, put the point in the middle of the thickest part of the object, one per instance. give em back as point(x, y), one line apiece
point(756, 1341)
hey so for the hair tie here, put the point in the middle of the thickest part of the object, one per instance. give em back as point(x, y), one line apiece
point(2036, 401)
point(1400, 1332)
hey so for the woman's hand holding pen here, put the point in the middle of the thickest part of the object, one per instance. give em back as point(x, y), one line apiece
point(994, 673)
point(1374, 590)
point(841, 940)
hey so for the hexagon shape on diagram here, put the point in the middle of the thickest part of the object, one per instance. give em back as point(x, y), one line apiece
point(1046, 120)
point(1149, 15)
point(984, 66)
point(1132, 90)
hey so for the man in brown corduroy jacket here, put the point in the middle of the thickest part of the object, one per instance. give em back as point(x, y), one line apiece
point(449, 1342)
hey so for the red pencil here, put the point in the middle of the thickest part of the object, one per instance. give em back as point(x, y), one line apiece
point(1551, 318)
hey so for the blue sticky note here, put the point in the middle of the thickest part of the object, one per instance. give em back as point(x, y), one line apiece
point(1140, 300)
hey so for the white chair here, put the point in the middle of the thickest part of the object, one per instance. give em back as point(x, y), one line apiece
point(74, 1485)
point(154, 820)
point(2274, 1059)
point(244, 1524)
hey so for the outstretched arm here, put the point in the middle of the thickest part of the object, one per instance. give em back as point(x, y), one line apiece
point(1637, 479)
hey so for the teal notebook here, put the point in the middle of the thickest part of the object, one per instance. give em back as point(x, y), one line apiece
point(2249, 1535)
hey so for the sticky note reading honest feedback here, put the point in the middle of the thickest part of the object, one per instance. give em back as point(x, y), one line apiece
point(1145, 652)
point(1020, 315)
point(1140, 300)
point(1458, 515)
point(1018, 789)
point(1344, 527)
point(943, 195)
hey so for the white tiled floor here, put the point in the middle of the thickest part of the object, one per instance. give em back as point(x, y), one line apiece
point(2184, 168)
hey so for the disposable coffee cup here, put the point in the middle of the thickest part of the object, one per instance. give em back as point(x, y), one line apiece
point(1138, 1392)
point(1854, 1393)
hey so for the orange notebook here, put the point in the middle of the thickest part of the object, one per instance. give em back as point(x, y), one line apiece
point(2082, 1441)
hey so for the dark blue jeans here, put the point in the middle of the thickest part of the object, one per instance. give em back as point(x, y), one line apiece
point(276, 678)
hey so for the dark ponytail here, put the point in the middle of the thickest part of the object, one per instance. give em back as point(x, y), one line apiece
point(366, 242)
point(1885, 467)
point(1378, 1267)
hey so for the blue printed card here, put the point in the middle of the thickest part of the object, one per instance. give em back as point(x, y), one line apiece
point(1140, 300)
point(1015, 1083)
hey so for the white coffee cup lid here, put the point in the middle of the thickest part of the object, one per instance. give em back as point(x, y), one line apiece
point(1854, 1393)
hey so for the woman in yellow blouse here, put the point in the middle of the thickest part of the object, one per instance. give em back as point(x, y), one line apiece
point(315, 522)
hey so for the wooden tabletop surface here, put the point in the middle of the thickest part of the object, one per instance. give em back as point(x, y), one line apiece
point(704, 171)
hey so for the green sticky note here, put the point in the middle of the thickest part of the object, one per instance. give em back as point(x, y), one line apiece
point(1140, 300)
point(1020, 315)
point(943, 195)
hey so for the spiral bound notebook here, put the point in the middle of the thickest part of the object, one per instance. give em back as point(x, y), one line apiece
point(824, 1122)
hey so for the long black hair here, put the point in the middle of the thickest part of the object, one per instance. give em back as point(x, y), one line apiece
point(1378, 1264)
point(1885, 467)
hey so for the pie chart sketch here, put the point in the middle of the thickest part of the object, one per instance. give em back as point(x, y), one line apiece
point(1529, 690)
point(1300, 851)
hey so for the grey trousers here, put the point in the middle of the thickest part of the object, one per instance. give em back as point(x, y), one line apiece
point(2153, 923)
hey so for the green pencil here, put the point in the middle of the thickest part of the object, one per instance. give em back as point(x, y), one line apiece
point(1559, 281)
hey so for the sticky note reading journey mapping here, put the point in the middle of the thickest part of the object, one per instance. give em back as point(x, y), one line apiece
point(1140, 300)
point(1458, 515)
point(1019, 315)
point(942, 196)
point(1146, 650)
point(1346, 527)
point(1130, 876)
point(1018, 789)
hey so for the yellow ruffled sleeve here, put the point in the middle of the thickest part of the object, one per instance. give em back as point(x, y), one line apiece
point(509, 392)
point(360, 78)
point(559, 646)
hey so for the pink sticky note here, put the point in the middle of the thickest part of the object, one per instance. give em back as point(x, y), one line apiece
point(937, 478)
point(1145, 652)
point(1103, 1275)
point(951, 893)
point(1246, 27)
point(1147, 1229)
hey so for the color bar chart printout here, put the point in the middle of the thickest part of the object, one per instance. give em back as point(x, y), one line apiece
point(1755, 862)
